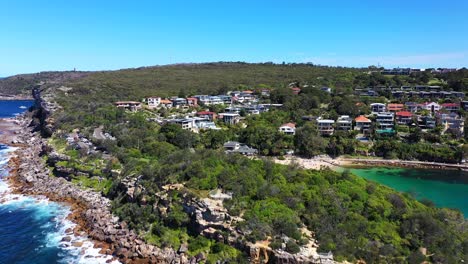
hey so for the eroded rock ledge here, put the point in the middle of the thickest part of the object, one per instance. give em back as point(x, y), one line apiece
point(91, 211)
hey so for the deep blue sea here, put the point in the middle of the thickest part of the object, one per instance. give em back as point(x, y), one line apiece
point(32, 229)
point(12, 108)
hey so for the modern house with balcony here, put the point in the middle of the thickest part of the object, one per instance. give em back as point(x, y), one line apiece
point(325, 126)
point(344, 123)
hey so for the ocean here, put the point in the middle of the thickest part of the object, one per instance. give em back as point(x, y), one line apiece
point(34, 230)
point(445, 188)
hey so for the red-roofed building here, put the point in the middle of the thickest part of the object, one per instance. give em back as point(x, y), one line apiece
point(395, 107)
point(363, 124)
point(192, 101)
point(451, 107)
point(404, 118)
point(207, 114)
point(296, 90)
point(288, 128)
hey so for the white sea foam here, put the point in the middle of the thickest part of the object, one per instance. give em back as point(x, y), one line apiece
point(57, 213)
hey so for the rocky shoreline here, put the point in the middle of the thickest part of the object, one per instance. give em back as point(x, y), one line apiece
point(90, 211)
point(402, 164)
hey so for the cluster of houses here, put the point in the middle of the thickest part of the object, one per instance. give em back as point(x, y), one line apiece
point(385, 117)
point(408, 71)
point(418, 91)
point(239, 103)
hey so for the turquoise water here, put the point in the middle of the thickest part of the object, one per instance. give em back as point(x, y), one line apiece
point(445, 188)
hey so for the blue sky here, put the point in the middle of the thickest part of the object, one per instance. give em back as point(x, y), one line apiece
point(40, 35)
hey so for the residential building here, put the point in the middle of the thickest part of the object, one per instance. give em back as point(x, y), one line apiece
point(377, 108)
point(452, 123)
point(192, 101)
point(179, 102)
point(166, 103)
point(230, 118)
point(385, 120)
point(236, 147)
point(231, 109)
point(207, 114)
point(395, 107)
point(412, 107)
point(132, 106)
point(325, 126)
point(431, 107)
point(451, 107)
point(185, 123)
point(288, 128)
point(153, 102)
point(427, 122)
point(265, 92)
point(404, 118)
point(363, 124)
point(344, 123)
point(464, 105)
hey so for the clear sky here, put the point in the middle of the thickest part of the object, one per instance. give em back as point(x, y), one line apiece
point(40, 35)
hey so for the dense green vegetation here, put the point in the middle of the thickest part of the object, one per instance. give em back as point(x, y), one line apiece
point(350, 216)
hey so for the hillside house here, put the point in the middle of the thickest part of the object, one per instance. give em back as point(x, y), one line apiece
point(412, 107)
point(325, 126)
point(230, 118)
point(288, 128)
point(344, 123)
point(431, 107)
point(377, 108)
point(404, 118)
point(426, 122)
point(385, 120)
point(166, 103)
point(207, 114)
point(363, 124)
point(192, 102)
point(452, 123)
point(153, 102)
point(236, 147)
point(395, 107)
point(451, 107)
point(132, 106)
point(179, 102)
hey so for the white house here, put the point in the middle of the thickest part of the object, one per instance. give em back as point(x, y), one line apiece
point(288, 128)
point(325, 126)
point(344, 122)
point(153, 102)
point(432, 107)
point(377, 108)
point(385, 120)
point(230, 118)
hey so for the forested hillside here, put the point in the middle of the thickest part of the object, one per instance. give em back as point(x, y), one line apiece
point(141, 163)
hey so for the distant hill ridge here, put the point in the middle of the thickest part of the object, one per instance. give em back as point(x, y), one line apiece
point(187, 77)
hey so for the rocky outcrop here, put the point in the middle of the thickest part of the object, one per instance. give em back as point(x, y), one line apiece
point(91, 211)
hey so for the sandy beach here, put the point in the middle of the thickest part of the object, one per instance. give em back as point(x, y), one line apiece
point(315, 163)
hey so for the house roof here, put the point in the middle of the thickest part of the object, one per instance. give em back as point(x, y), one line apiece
point(206, 113)
point(126, 102)
point(165, 101)
point(394, 106)
point(247, 91)
point(291, 125)
point(362, 119)
point(404, 114)
point(450, 105)
point(296, 89)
